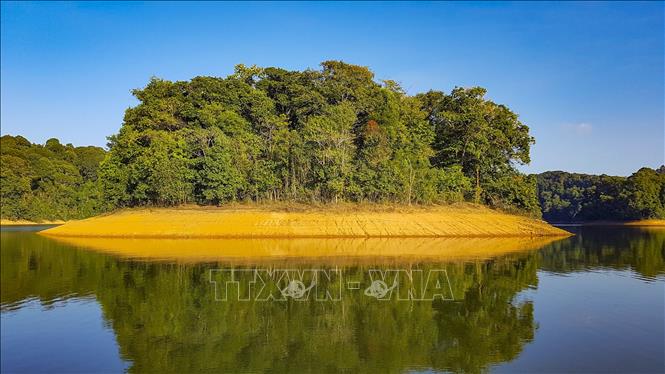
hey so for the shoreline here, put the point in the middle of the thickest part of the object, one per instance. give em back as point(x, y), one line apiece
point(7, 222)
point(300, 222)
point(639, 223)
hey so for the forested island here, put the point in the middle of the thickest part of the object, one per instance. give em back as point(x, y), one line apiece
point(317, 137)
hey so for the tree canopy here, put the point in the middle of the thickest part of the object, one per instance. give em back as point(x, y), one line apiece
point(315, 136)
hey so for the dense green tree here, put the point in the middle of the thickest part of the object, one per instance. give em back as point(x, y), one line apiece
point(486, 140)
point(295, 94)
point(329, 142)
point(645, 193)
point(217, 178)
point(513, 191)
point(16, 186)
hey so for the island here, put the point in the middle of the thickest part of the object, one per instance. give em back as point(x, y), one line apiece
point(269, 152)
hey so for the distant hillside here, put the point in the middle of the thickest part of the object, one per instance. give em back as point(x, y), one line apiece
point(48, 182)
point(572, 197)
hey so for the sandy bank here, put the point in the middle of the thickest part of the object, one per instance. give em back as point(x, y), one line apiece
point(641, 223)
point(261, 222)
point(647, 222)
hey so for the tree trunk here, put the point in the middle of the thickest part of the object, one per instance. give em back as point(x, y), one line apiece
point(477, 184)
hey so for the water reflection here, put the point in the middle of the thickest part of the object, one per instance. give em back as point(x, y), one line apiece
point(165, 317)
point(639, 249)
point(311, 251)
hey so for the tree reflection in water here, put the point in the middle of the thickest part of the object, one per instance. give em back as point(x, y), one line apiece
point(165, 316)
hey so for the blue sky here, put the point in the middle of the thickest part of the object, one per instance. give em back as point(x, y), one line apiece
point(586, 77)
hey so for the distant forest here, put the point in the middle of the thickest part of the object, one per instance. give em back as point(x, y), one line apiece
point(50, 181)
point(268, 134)
point(570, 197)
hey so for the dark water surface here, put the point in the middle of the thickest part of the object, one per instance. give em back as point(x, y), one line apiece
point(594, 302)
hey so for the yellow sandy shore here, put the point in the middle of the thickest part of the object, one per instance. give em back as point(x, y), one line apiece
point(330, 251)
point(6, 222)
point(647, 222)
point(261, 222)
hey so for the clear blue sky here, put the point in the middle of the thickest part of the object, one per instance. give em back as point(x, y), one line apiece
point(586, 77)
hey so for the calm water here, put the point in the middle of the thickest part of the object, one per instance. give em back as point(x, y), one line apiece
point(592, 302)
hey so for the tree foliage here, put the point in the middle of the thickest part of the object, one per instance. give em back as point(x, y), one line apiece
point(487, 140)
point(314, 136)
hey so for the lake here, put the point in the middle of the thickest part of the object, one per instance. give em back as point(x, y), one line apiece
point(594, 302)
